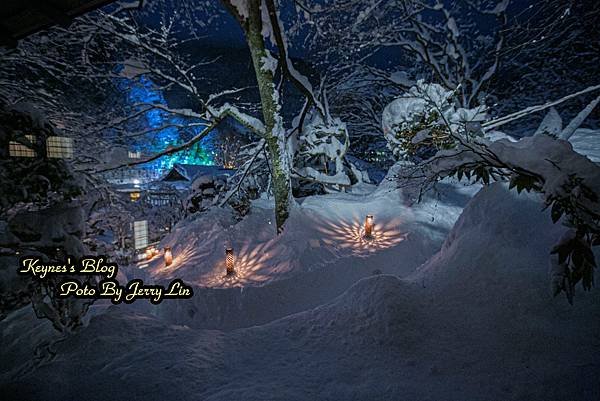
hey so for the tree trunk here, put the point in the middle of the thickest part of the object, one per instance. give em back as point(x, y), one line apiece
point(274, 132)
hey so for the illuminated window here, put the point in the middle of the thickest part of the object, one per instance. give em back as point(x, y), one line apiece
point(16, 149)
point(135, 155)
point(140, 234)
point(134, 196)
point(59, 147)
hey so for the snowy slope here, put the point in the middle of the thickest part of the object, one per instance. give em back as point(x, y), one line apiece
point(320, 255)
point(476, 322)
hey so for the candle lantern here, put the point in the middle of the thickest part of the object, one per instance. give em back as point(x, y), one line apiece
point(369, 226)
point(168, 256)
point(229, 261)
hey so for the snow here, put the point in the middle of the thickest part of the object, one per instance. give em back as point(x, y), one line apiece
point(551, 124)
point(421, 101)
point(476, 321)
point(269, 63)
point(133, 68)
point(560, 172)
point(453, 28)
point(553, 160)
point(500, 7)
point(401, 78)
point(401, 109)
point(242, 7)
point(325, 229)
point(587, 142)
point(248, 121)
point(497, 135)
point(579, 119)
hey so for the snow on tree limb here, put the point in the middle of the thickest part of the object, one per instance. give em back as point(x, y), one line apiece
point(578, 120)
point(252, 123)
point(534, 109)
point(168, 151)
point(248, 165)
point(288, 68)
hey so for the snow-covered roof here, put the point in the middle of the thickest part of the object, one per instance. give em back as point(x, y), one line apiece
point(126, 187)
point(187, 172)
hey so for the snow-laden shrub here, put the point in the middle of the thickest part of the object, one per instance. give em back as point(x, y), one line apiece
point(204, 192)
point(320, 154)
point(568, 182)
point(36, 179)
point(37, 202)
point(423, 120)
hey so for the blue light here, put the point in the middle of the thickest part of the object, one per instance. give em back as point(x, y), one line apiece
point(143, 90)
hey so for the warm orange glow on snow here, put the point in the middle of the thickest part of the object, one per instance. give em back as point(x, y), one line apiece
point(351, 235)
point(253, 265)
point(264, 258)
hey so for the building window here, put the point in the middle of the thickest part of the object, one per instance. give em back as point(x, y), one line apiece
point(59, 147)
point(16, 149)
point(135, 155)
point(140, 234)
point(134, 196)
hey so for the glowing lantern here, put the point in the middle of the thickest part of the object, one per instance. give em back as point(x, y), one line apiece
point(369, 226)
point(229, 261)
point(149, 253)
point(168, 256)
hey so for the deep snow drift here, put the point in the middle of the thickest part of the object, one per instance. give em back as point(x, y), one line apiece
point(320, 254)
point(475, 322)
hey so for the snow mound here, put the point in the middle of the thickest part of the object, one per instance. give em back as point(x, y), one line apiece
point(319, 256)
point(377, 310)
point(320, 231)
point(499, 234)
point(476, 322)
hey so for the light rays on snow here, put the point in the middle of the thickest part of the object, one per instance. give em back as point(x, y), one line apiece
point(348, 234)
point(254, 265)
point(322, 236)
point(251, 267)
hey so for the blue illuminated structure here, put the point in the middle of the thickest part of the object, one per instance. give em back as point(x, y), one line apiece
point(175, 132)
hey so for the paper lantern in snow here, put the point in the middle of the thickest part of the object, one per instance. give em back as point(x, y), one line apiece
point(229, 261)
point(168, 256)
point(369, 226)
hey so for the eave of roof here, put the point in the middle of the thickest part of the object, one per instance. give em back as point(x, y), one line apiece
point(21, 18)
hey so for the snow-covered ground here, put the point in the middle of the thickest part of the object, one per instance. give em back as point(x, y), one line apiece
point(320, 254)
point(474, 322)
